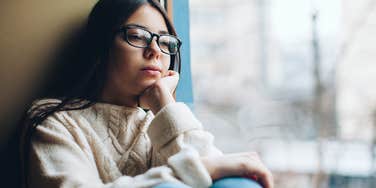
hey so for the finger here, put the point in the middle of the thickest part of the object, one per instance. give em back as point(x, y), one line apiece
point(267, 180)
point(263, 175)
point(254, 156)
point(172, 73)
point(172, 79)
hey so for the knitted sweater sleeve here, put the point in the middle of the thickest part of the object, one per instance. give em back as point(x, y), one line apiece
point(60, 156)
point(178, 140)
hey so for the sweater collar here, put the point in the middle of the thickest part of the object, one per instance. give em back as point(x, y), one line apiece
point(109, 106)
point(117, 113)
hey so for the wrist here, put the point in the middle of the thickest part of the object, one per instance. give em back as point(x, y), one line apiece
point(209, 165)
point(162, 98)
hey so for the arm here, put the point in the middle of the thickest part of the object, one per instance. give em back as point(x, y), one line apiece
point(175, 128)
point(179, 140)
point(174, 124)
point(176, 134)
point(178, 137)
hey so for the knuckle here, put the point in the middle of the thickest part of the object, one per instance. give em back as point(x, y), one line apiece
point(253, 154)
point(244, 165)
point(267, 174)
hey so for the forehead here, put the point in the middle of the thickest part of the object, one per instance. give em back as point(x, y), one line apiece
point(149, 17)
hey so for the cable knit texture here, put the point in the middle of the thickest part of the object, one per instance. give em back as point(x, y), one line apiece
point(113, 146)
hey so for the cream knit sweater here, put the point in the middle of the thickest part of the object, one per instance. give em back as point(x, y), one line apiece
point(110, 146)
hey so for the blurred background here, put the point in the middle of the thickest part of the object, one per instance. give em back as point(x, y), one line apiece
point(293, 80)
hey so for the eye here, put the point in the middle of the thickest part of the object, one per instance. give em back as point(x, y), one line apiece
point(136, 36)
point(165, 43)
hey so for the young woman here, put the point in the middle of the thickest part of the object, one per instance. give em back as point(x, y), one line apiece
point(98, 134)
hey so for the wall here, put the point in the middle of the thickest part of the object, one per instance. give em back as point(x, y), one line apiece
point(31, 35)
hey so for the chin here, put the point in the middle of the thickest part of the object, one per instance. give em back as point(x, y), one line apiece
point(147, 83)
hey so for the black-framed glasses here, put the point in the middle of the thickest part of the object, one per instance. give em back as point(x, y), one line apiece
point(139, 37)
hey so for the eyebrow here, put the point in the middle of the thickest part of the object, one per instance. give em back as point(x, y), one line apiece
point(146, 28)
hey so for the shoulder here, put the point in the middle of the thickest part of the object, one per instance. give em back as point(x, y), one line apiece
point(48, 114)
point(45, 101)
point(58, 120)
point(42, 104)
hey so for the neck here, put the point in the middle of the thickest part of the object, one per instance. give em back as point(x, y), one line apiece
point(119, 98)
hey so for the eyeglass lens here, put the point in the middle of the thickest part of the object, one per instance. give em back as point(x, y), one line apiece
point(142, 38)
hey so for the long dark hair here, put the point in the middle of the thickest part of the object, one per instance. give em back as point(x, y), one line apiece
point(91, 62)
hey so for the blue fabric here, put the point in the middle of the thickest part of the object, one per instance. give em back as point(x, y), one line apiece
point(230, 182)
point(171, 185)
point(235, 182)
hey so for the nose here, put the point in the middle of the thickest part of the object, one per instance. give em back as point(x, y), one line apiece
point(153, 50)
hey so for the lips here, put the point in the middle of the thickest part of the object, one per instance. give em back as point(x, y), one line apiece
point(152, 68)
point(151, 71)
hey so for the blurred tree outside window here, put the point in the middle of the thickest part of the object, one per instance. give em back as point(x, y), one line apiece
point(292, 80)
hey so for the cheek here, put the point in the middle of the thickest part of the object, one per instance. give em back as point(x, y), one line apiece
point(125, 57)
point(165, 63)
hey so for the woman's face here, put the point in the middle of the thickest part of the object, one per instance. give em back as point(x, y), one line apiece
point(132, 69)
